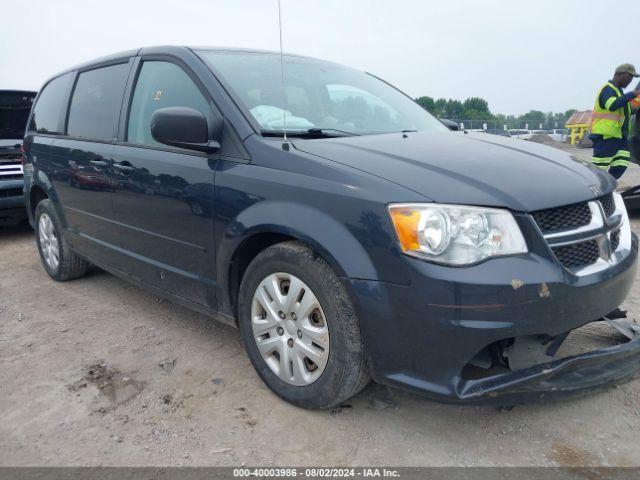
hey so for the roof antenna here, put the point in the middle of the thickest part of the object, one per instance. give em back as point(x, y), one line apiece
point(285, 143)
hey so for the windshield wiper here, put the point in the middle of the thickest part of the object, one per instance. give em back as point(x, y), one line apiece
point(324, 130)
point(310, 133)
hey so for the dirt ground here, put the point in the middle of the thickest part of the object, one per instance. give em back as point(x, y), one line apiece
point(98, 372)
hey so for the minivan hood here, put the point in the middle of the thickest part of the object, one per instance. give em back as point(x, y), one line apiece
point(483, 169)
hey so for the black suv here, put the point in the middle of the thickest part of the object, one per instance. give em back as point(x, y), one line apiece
point(367, 242)
point(15, 106)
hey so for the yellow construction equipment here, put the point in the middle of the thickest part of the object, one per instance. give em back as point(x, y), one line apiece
point(578, 125)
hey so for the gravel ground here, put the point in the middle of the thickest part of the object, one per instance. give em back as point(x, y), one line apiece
point(98, 372)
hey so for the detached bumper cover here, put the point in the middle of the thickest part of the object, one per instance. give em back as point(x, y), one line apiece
point(571, 376)
point(421, 337)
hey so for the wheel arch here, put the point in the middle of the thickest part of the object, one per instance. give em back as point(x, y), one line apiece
point(36, 195)
point(41, 187)
point(268, 223)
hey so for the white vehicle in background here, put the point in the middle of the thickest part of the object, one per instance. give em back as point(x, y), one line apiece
point(520, 133)
point(540, 132)
point(558, 134)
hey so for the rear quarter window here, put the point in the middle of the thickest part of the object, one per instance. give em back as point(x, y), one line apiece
point(96, 101)
point(48, 112)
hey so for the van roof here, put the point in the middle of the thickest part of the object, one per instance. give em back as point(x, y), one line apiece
point(174, 48)
point(167, 49)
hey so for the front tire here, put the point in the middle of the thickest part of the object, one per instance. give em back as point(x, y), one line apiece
point(59, 261)
point(300, 329)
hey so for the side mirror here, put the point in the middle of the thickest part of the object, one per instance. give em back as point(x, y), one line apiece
point(182, 127)
point(450, 124)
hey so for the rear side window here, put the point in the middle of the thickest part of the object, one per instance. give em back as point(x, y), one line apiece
point(49, 109)
point(159, 85)
point(96, 100)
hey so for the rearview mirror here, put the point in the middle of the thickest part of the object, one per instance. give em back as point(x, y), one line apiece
point(182, 127)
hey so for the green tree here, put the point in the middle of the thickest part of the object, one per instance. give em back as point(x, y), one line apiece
point(533, 118)
point(472, 114)
point(455, 109)
point(427, 103)
point(477, 104)
point(475, 110)
point(441, 108)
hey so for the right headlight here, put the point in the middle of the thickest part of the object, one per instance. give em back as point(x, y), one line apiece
point(456, 234)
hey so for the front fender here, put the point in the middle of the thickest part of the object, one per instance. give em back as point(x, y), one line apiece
point(312, 226)
point(330, 237)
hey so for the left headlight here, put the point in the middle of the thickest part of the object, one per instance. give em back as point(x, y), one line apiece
point(455, 234)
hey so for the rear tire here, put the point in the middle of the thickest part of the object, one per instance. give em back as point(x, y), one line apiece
point(314, 359)
point(59, 261)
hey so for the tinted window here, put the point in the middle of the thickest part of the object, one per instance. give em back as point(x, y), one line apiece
point(50, 106)
point(95, 105)
point(160, 85)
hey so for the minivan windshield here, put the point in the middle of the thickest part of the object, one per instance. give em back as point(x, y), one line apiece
point(14, 112)
point(322, 98)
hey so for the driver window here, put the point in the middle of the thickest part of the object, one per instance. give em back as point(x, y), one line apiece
point(159, 85)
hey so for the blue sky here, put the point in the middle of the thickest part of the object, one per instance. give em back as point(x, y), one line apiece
point(543, 55)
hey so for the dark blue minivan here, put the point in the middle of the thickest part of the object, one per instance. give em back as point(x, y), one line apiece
point(369, 242)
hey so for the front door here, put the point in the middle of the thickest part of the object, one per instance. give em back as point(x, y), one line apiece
point(163, 200)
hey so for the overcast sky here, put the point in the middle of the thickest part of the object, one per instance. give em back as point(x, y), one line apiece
point(548, 55)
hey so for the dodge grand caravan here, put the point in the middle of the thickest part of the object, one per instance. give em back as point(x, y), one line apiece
point(368, 243)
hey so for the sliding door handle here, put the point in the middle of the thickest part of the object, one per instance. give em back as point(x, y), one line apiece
point(123, 166)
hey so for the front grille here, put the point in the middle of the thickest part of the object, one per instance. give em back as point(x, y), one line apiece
point(10, 171)
point(13, 176)
point(563, 218)
point(615, 240)
point(571, 216)
point(608, 205)
point(562, 225)
point(578, 255)
point(10, 192)
point(10, 156)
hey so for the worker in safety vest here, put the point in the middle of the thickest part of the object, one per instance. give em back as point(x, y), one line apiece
point(634, 139)
point(611, 122)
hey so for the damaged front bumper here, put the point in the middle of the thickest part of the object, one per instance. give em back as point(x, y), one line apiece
point(571, 376)
point(425, 337)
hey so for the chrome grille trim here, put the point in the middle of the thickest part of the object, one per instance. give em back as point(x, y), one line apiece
point(599, 229)
point(10, 171)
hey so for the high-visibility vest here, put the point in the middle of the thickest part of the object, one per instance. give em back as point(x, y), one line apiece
point(605, 122)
